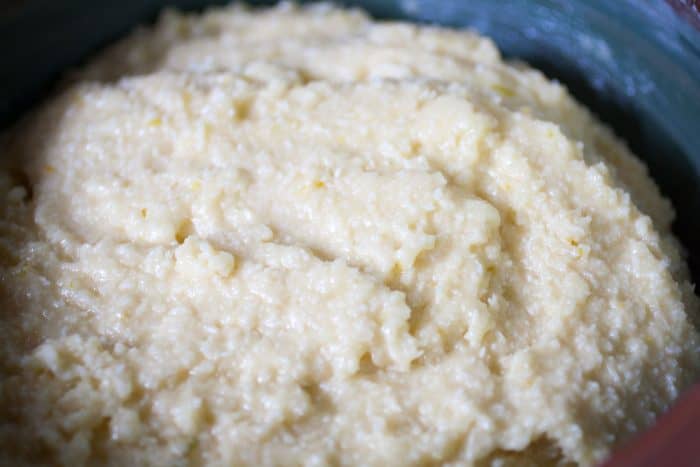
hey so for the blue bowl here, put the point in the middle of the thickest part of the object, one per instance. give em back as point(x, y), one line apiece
point(636, 64)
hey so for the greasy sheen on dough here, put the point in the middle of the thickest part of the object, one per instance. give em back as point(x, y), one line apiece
point(300, 237)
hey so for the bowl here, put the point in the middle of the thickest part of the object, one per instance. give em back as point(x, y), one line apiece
point(635, 64)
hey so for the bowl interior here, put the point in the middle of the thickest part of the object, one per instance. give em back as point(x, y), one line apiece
point(635, 64)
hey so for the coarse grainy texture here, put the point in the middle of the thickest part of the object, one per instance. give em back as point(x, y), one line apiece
point(296, 236)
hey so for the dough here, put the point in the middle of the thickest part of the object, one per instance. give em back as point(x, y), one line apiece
point(297, 236)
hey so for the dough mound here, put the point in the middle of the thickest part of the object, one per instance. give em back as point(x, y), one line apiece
point(296, 236)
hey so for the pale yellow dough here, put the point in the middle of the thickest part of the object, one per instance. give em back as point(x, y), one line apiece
point(300, 237)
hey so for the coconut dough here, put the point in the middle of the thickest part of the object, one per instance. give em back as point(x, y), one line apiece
point(300, 237)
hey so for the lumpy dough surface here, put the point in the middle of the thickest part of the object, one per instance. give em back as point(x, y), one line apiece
point(300, 237)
